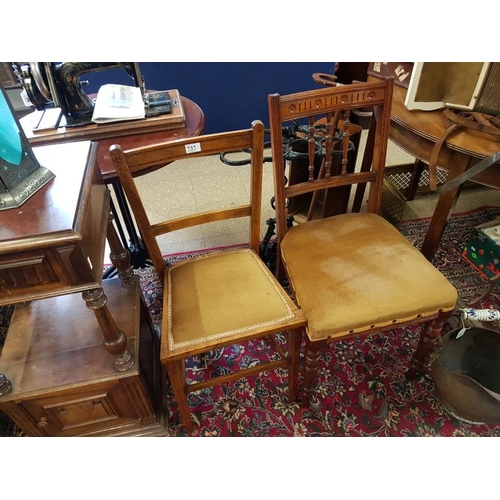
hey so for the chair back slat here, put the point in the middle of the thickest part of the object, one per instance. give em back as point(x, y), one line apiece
point(140, 159)
point(345, 143)
point(166, 227)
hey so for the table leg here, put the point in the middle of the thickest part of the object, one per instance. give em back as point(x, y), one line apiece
point(416, 173)
point(457, 165)
point(115, 341)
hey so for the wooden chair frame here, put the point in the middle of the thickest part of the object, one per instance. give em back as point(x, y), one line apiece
point(329, 102)
point(132, 163)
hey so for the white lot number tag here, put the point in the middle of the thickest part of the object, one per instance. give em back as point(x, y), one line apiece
point(193, 148)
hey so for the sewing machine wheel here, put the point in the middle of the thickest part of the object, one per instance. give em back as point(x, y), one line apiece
point(34, 82)
point(36, 69)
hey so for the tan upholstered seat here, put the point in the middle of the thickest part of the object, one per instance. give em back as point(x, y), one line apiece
point(227, 295)
point(352, 273)
point(224, 297)
point(352, 252)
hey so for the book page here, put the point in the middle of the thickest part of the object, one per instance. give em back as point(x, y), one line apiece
point(118, 103)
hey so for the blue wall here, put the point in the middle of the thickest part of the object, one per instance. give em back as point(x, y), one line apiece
point(231, 95)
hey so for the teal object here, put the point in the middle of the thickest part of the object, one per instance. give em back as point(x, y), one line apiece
point(11, 149)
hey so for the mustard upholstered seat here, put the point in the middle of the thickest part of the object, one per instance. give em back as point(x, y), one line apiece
point(351, 252)
point(227, 295)
point(351, 273)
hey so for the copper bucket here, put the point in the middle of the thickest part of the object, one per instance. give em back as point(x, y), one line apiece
point(467, 375)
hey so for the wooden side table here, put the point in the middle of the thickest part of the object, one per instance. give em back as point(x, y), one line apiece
point(63, 365)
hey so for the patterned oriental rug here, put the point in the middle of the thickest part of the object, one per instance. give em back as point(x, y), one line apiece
point(361, 388)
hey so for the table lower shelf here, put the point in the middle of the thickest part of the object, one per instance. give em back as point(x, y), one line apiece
point(64, 382)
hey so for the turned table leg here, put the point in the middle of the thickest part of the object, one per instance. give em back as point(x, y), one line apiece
point(115, 341)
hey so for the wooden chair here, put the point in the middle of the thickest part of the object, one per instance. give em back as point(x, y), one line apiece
point(352, 273)
point(221, 298)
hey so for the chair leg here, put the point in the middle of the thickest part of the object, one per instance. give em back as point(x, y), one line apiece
point(427, 340)
point(312, 353)
point(175, 370)
point(294, 343)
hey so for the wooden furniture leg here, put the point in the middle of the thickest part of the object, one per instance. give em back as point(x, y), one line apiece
point(458, 165)
point(416, 173)
point(115, 341)
point(427, 340)
point(294, 343)
point(312, 353)
point(175, 370)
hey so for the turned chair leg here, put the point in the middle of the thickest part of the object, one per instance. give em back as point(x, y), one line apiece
point(175, 370)
point(294, 343)
point(312, 352)
point(427, 340)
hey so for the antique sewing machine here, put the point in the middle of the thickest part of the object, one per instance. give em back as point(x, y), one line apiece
point(60, 85)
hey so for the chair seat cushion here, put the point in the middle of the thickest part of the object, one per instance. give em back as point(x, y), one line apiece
point(213, 298)
point(355, 272)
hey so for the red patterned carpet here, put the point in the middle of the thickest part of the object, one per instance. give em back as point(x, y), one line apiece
point(361, 389)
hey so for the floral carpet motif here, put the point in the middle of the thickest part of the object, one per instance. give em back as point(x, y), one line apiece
point(361, 387)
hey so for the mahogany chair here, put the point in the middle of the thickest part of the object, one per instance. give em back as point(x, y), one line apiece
point(351, 273)
point(221, 298)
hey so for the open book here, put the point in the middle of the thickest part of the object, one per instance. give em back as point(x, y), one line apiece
point(116, 103)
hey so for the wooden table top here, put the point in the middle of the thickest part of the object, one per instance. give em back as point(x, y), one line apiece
point(416, 132)
point(432, 124)
point(49, 216)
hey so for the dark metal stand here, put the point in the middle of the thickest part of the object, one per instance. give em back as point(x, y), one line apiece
point(139, 256)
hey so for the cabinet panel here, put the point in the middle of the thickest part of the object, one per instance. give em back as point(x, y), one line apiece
point(68, 414)
point(32, 269)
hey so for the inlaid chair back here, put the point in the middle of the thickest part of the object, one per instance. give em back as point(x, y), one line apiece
point(351, 273)
point(223, 297)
